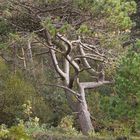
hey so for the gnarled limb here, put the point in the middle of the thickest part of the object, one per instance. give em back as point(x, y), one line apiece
point(68, 50)
point(85, 62)
point(92, 85)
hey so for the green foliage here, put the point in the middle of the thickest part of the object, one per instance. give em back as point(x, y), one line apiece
point(32, 123)
point(33, 126)
point(127, 86)
point(16, 91)
point(18, 133)
point(48, 24)
point(115, 11)
point(55, 97)
point(3, 45)
point(128, 74)
point(3, 67)
point(120, 11)
point(137, 45)
point(14, 133)
point(51, 25)
point(65, 28)
point(117, 129)
point(94, 107)
point(3, 131)
point(64, 130)
point(84, 29)
point(66, 126)
point(4, 27)
point(18, 39)
point(112, 117)
point(120, 105)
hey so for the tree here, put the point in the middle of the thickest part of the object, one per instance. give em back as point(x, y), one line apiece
point(72, 81)
point(78, 34)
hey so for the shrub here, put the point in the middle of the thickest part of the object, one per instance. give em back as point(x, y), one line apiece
point(15, 91)
point(127, 103)
point(14, 133)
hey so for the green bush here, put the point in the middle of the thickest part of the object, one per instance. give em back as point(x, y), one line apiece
point(127, 99)
point(15, 91)
point(14, 133)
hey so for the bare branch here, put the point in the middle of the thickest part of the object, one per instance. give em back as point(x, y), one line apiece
point(73, 63)
point(53, 55)
point(64, 87)
point(22, 58)
point(89, 57)
point(67, 42)
point(91, 48)
point(49, 47)
point(77, 95)
point(91, 85)
point(85, 62)
point(57, 68)
point(41, 53)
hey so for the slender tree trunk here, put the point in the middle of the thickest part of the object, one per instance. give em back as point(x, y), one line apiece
point(31, 61)
point(15, 58)
point(84, 114)
point(24, 59)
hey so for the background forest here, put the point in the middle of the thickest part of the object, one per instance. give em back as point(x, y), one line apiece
point(69, 69)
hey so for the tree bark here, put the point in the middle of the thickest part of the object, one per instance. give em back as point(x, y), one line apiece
point(83, 114)
point(80, 107)
point(84, 120)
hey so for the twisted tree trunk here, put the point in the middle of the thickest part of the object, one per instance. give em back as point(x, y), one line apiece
point(71, 81)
